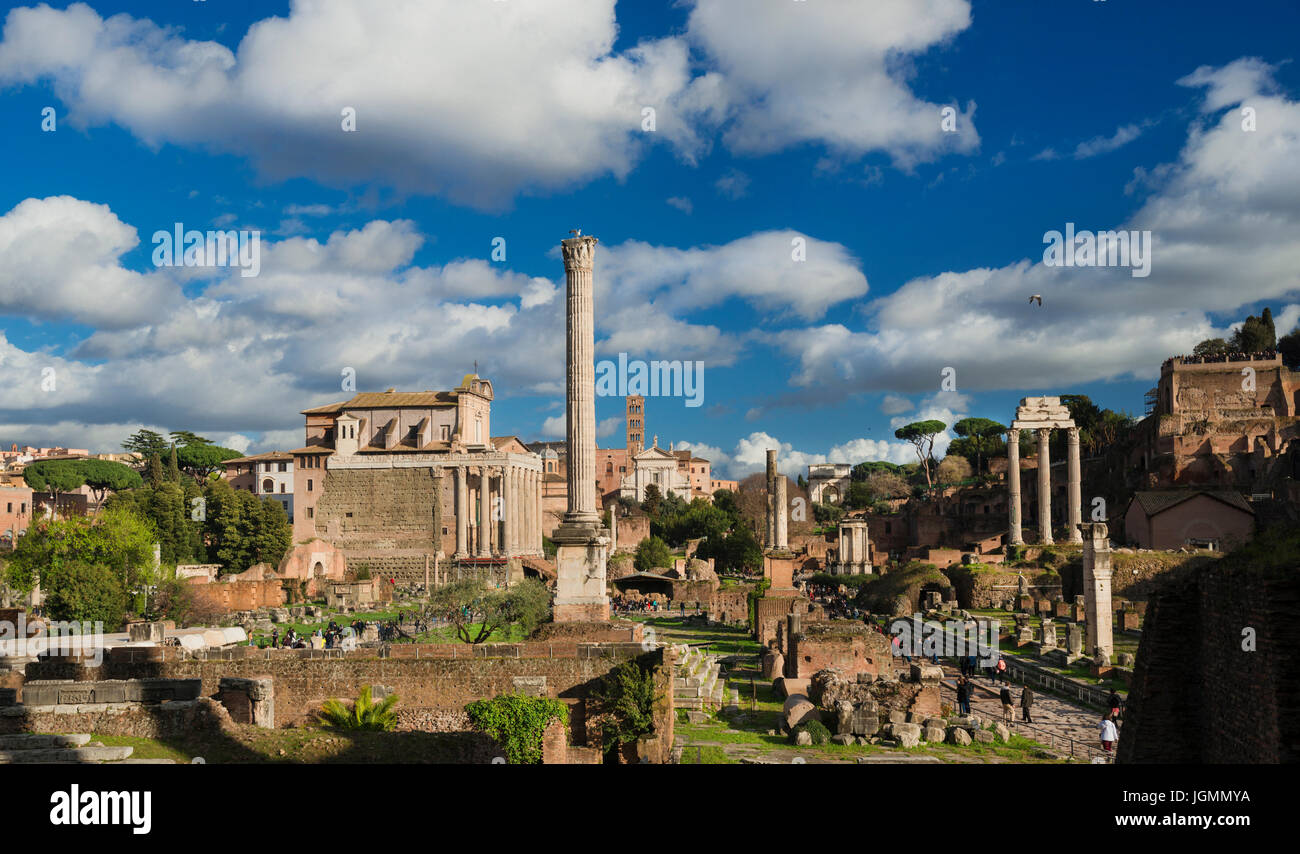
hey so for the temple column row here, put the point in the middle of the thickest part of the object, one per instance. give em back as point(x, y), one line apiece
point(1074, 498)
point(498, 509)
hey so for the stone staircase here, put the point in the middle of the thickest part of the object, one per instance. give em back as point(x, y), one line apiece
point(76, 749)
point(696, 684)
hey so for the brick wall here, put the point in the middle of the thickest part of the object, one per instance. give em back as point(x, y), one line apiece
point(1196, 695)
point(386, 519)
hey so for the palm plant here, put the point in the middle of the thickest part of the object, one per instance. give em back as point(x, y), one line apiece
point(365, 713)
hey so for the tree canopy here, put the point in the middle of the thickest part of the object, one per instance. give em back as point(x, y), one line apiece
point(475, 611)
point(921, 434)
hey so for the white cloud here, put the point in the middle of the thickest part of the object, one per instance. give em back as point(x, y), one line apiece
point(479, 102)
point(1223, 225)
point(893, 404)
point(60, 263)
point(830, 72)
point(681, 203)
point(1106, 144)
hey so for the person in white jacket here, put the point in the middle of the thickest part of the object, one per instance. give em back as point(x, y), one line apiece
point(1109, 735)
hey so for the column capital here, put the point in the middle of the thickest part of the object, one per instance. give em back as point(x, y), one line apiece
point(1073, 433)
point(1013, 432)
point(1043, 433)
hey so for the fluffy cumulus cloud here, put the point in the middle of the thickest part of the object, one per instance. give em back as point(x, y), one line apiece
point(761, 269)
point(241, 355)
point(60, 261)
point(750, 454)
point(1222, 219)
point(481, 101)
point(841, 79)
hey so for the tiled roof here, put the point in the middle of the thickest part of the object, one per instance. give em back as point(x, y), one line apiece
point(385, 399)
point(328, 409)
point(1160, 500)
point(268, 457)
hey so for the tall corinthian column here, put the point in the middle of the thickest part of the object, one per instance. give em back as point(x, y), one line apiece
point(579, 254)
point(1044, 487)
point(1013, 486)
point(582, 543)
point(1074, 500)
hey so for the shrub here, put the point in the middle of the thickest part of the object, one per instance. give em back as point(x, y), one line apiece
point(82, 592)
point(820, 734)
point(653, 553)
point(365, 714)
point(628, 696)
point(517, 723)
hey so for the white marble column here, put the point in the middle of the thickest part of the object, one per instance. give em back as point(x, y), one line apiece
point(779, 510)
point(579, 255)
point(511, 506)
point(462, 511)
point(484, 512)
point(1044, 487)
point(1074, 498)
point(582, 543)
point(1014, 536)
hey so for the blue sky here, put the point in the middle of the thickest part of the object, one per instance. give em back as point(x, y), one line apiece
point(775, 121)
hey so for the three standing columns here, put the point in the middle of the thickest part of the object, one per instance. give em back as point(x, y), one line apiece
point(1074, 498)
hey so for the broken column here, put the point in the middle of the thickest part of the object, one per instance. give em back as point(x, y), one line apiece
point(1096, 588)
point(781, 542)
point(582, 543)
point(769, 538)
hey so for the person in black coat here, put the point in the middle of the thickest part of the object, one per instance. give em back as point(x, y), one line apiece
point(1026, 705)
point(1005, 695)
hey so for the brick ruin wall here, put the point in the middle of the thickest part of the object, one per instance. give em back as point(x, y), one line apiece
point(433, 681)
point(396, 519)
point(1196, 695)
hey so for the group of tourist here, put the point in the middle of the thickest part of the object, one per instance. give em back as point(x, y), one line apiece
point(330, 638)
point(1234, 356)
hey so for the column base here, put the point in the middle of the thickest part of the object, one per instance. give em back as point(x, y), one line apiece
point(580, 560)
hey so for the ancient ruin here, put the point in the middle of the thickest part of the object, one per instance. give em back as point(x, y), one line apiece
point(1043, 415)
point(582, 542)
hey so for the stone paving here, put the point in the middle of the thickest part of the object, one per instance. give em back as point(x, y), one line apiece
point(1051, 714)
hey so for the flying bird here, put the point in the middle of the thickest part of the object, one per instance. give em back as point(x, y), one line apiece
point(1038, 298)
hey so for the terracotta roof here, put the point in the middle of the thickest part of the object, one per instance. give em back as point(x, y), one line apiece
point(385, 399)
point(1160, 500)
point(328, 409)
point(268, 457)
point(312, 449)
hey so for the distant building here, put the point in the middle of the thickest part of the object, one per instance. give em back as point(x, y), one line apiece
point(1219, 421)
point(269, 475)
point(400, 480)
point(655, 466)
point(828, 482)
point(1217, 519)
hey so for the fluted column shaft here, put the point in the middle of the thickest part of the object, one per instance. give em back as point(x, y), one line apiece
point(1074, 487)
point(579, 254)
point(1044, 487)
point(1014, 536)
point(484, 512)
point(462, 511)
